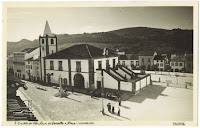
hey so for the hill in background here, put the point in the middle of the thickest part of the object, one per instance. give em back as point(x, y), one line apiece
point(138, 40)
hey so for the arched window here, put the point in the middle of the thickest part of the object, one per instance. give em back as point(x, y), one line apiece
point(42, 41)
point(52, 41)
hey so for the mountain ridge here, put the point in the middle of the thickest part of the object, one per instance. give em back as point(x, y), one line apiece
point(132, 40)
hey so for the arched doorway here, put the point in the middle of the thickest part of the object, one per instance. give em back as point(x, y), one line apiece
point(79, 81)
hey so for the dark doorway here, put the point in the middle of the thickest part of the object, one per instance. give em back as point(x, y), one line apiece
point(48, 78)
point(98, 85)
point(79, 81)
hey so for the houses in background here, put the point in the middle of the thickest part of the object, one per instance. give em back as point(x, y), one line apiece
point(162, 62)
point(83, 65)
point(131, 61)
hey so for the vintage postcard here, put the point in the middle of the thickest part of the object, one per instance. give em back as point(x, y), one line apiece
point(100, 63)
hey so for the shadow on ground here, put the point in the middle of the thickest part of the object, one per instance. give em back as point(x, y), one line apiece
point(149, 92)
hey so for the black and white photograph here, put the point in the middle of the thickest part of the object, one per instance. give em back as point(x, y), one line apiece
point(84, 64)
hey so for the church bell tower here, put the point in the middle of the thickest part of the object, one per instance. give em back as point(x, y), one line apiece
point(48, 45)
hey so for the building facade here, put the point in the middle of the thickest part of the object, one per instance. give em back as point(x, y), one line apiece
point(189, 63)
point(10, 63)
point(19, 64)
point(161, 61)
point(177, 64)
point(131, 61)
point(76, 66)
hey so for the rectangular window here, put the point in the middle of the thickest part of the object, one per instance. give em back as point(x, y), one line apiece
point(78, 66)
point(148, 59)
point(99, 65)
point(181, 64)
point(60, 68)
point(161, 61)
point(137, 63)
point(176, 64)
point(142, 59)
point(132, 63)
point(157, 60)
point(123, 63)
point(161, 64)
point(51, 65)
point(172, 64)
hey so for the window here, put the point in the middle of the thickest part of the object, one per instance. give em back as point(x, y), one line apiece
point(78, 66)
point(65, 81)
point(113, 63)
point(51, 65)
point(148, 59)
point(60, 68)
point(31, 66)
point(52, 41)
point(132, 63)
point(52, 51)
point(142, 59)
point(161, 64)
point(181, 64)
point(137, 63)
point(42, 41)
point(99, 65)
point(157, 60)
point(123, 63)
point(28, 62)
point(172, 64)
point(176, 64)
point(161, 61)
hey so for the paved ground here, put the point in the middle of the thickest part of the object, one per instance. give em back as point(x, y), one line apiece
point(153, 103)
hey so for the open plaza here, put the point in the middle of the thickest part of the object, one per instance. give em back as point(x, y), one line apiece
point(152, 103)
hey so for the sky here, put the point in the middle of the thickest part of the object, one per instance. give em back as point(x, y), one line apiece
point(29, 23)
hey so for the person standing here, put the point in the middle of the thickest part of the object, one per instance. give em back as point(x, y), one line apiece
point(118, 112)
point(108, 106)
point(113, 110)
point(120, 101)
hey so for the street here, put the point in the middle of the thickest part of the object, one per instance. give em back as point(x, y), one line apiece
point(153, 103)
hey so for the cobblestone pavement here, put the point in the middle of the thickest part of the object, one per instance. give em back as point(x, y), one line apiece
point(153, 103)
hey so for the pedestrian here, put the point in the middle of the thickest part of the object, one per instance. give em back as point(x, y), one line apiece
point(120, 101)
point(118, 112)
point(108, 106)
point(113, 110)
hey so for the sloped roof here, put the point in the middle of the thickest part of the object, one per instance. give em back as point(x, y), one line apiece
point(123, 57)
point(47, 30)
point(82, 51)
point(159, 57)
point(129, 57)
point(28, 50)
point(134, 57)
point(178, 59)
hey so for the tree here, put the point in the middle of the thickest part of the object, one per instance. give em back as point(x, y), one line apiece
point(168, 68)
point(142, 69)
point(133, 67)
point(154, 67)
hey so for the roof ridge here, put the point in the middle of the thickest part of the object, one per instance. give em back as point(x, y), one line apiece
point(88, 50)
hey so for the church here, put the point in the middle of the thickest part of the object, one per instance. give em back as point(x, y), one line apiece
point(81, 66)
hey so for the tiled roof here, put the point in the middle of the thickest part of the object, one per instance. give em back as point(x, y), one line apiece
point(82, 51)
point(123, 57)
point(159, 57)
point(128, 57)
point(28, 50)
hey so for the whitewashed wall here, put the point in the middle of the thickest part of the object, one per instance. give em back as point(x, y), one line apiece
point(126, 86)
point(55, 76)
point(110, 82)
